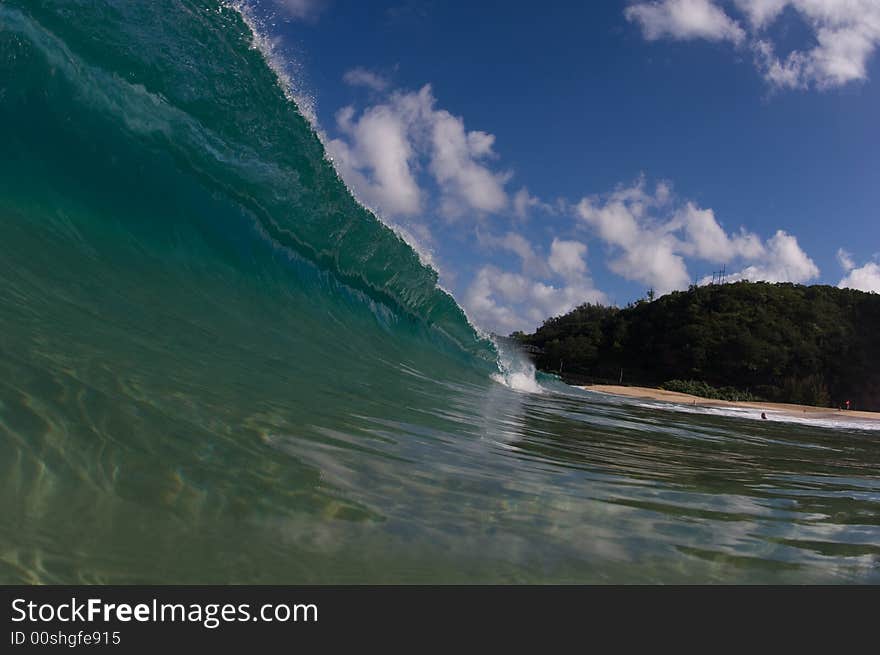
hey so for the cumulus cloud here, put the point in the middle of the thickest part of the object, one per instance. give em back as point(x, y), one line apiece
point(504, 301)
point(381, 152)
point(865, 278)
point(378, 157)
point(649, 237)
point(845, 34)
point(783, 261)
point(456, 162)
point(484, 300)
point(646, 249)
point(567, 259)
point(366, 78)
point(684, 19)
point(707, 240)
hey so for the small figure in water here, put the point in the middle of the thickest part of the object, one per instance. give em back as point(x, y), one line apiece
point(763, 416)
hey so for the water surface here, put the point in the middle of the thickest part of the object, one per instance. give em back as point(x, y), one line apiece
point(217, 367)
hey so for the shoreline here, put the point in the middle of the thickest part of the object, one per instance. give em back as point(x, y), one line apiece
point(789, 409)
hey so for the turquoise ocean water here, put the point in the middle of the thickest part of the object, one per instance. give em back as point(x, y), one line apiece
point(217, 367)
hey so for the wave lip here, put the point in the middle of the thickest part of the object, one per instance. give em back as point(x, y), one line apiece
point(190, 86)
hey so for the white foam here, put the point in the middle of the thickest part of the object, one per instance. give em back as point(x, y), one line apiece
point(515, 369)
point(518, 382)
point(295, 91)
point(755, 414)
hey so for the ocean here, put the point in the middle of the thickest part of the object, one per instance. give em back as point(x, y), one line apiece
point(216, 366)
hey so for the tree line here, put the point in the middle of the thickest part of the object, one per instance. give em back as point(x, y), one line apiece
point(816, 345)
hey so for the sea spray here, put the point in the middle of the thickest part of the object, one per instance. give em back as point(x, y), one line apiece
point(516, 370)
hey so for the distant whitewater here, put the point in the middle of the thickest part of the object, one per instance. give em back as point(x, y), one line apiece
point(216, 366)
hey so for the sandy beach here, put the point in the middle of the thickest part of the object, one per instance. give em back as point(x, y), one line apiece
point(806, 411)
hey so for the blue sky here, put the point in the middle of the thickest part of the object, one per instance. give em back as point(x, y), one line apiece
point(545, 155)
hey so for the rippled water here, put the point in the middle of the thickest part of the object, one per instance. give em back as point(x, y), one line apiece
point(217, 367)
point(431, 482)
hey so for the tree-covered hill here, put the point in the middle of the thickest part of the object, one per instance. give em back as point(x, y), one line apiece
point(816, 345)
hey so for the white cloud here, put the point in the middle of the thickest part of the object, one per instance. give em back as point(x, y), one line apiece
point(650, 237)
point(655, 264)
point(708, 240)
point(455, 163)
point(378, 158)
point(783, 261)
point(866, 278)
point(845, 259)
point(761, 12)
point(684, 19)
point(646, 248)
point(503, 301)
point(363, 77)
point(484, 305)
point(307, 10)
point(382, 152)
point(567, 259)
point(524, 203)
point(845, 34)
